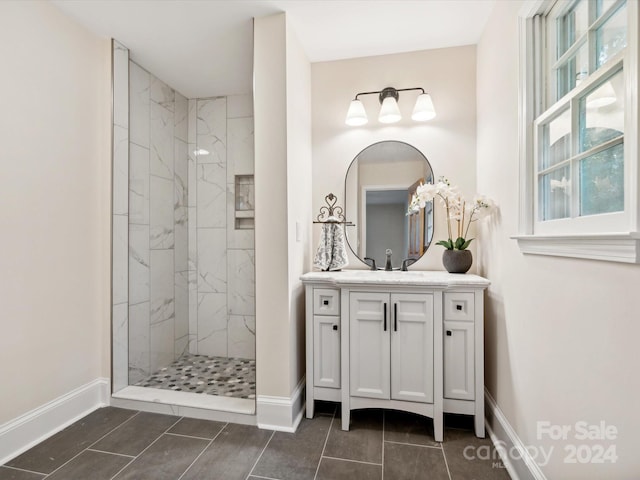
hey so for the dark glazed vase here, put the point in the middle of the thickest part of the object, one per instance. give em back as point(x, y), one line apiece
point(457, 261)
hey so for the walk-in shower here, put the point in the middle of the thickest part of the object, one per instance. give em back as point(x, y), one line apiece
point(183, 248)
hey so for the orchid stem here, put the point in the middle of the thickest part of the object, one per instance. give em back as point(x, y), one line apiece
point(470, 220)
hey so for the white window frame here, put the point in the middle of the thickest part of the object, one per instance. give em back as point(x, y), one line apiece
point(579, 237)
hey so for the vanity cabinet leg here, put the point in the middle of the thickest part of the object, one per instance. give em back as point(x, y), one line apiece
point(478, 421)
point(310, 403)
point(346, 417)
point(438, 428)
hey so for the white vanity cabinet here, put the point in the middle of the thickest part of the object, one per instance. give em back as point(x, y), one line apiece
point(459, 346)
point(410, 341)
point(323, 343)
point(326, 338)
point(391, 346)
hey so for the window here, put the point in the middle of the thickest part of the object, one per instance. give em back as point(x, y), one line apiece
point(580, 129)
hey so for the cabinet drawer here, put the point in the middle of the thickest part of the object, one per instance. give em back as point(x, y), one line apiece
point(459, 306)
point(326, 301)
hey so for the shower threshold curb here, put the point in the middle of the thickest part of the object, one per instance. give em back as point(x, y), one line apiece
point(242, 406)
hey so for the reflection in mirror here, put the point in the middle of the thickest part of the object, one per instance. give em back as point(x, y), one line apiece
point(378, 188)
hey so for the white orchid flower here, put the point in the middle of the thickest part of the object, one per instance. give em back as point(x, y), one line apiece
point(458, 210)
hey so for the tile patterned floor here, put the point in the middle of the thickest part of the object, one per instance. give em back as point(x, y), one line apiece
point(230, 377)
point(113, 443)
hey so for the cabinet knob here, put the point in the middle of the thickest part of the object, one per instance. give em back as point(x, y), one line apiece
point(335, 327)
point(458, 307)
point(326, 302)
point(448, 333)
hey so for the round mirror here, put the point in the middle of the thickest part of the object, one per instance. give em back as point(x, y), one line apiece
point(378, 188)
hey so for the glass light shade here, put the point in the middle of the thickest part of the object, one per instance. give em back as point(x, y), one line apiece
point(389, 111)
point(356, 115)
point(601, 97)
point(423, 110)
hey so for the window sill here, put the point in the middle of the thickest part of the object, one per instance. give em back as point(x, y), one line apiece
point(619, 247)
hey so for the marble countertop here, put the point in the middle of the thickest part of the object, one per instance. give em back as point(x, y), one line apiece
point(380, 277)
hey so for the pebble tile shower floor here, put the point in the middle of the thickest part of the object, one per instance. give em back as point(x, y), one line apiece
point(118, 444)
point(228, 377)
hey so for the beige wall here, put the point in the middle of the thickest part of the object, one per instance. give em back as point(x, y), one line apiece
point(561, 334)
point(272, 295)
point(391, 173)
point(299, 193)
point(448, 141)
point(54, 207)
point(282, 162)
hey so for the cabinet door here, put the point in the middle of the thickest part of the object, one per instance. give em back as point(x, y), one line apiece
point(412, 347)
point(369, 344)
point(458, 360)
point(326, 351)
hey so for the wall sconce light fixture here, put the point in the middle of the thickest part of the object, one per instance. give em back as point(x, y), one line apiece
point(389, 111)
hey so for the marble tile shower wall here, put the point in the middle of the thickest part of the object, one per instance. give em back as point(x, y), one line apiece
point(221, 273)
point(191, 278)
point(158, 297)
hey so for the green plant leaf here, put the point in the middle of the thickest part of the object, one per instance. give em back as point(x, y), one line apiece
point(448, 244)
point(465, 244)
point(459, 243)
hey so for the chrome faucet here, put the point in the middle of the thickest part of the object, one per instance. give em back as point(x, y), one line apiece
point(373, 263)
point(387, 266)
point(406, 262)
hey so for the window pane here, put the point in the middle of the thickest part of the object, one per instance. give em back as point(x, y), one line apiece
point(554, 191)
point(612, 36)
point(572, 26)
point(602, 113)
point(602, 6)
point(573, 71)
point(602, 182)
point(557, 140)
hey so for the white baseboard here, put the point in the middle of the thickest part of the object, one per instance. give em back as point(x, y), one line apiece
point(281, 413)
point(22, 433)
point(520, 466)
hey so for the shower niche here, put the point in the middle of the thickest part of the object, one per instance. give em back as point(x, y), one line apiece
point(244, 214)
point(183, 244)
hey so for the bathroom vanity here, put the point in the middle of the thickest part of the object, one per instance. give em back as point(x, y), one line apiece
point(410, 341)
